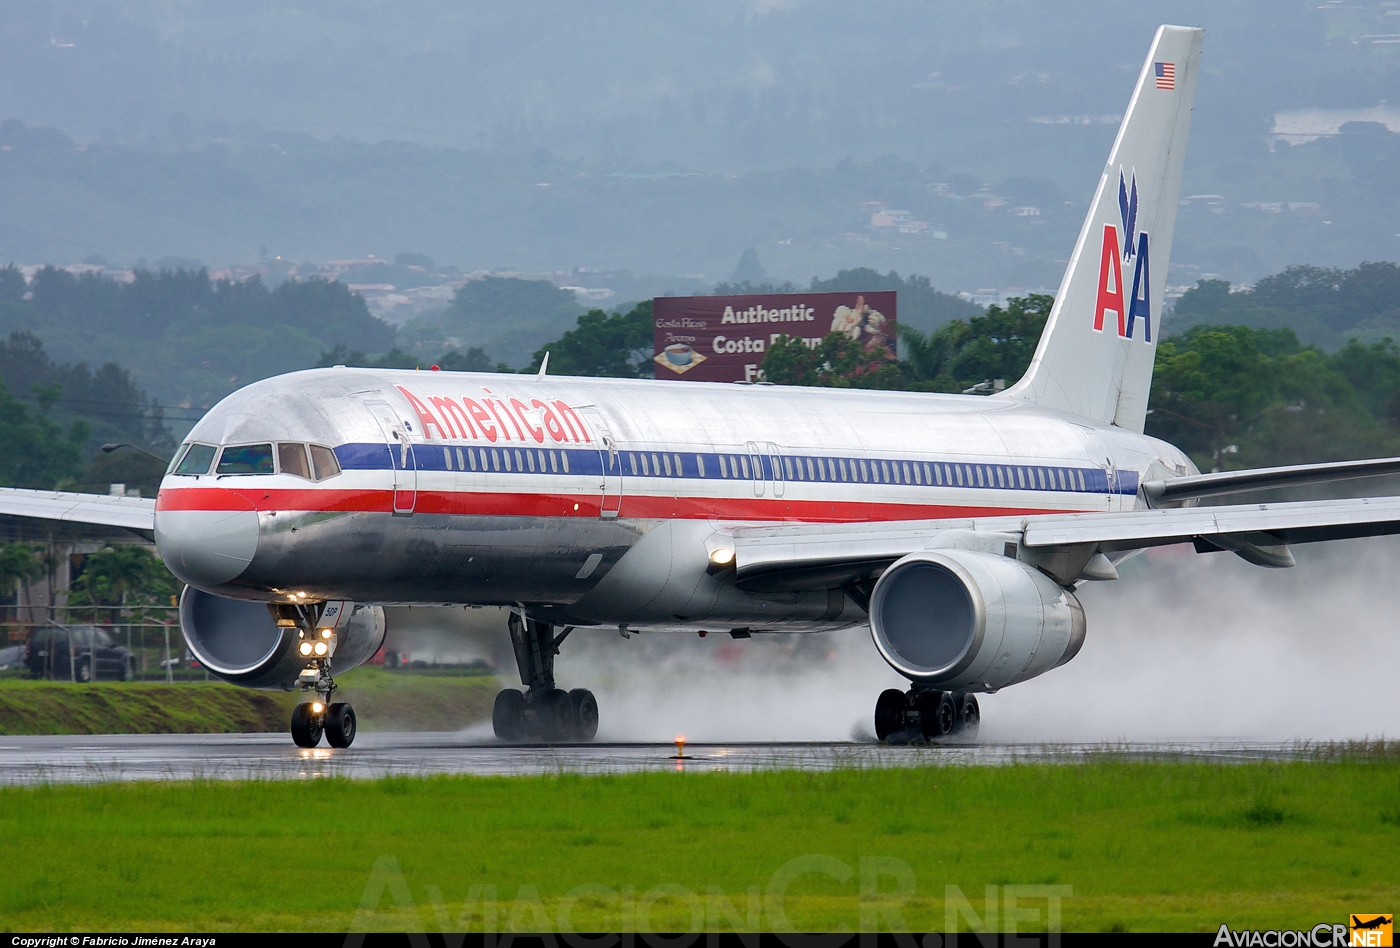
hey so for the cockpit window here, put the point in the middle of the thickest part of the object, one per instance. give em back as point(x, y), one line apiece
point(291, 459)
point(246, 459)
point(196, 459)
point(324, 462)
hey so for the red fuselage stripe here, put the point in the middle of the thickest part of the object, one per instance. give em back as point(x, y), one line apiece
point(488, 503)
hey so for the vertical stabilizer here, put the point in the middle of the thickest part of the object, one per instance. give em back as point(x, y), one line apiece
point(1095, 356)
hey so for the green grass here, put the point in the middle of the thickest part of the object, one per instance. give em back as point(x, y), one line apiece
point(50, 707)
point(383, 701)
point(1143, 846)
point(407, 701)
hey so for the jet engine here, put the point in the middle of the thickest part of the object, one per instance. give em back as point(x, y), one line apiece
point(959, 620)
point(242, 643)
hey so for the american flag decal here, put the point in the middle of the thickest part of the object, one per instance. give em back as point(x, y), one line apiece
point(1166, 75)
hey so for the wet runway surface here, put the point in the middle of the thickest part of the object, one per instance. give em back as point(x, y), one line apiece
point(97, 758)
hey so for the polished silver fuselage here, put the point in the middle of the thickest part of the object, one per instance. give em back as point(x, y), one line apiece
point(599, 500)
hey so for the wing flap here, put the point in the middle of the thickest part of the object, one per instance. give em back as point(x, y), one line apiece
point(812, 556)
point(129, 513)
point(1296, 522)
point(1268, 478)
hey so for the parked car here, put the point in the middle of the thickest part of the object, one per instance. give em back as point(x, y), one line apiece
point(47, 654)
point(11, 656)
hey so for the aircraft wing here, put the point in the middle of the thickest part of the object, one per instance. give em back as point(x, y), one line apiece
point(808, 556)
point(1265, 478)
point(130, 513)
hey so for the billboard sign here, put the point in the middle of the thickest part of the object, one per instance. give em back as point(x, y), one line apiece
point(724, 338)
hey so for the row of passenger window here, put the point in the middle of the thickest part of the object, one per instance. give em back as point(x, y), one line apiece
point(934, 474)
point(756, 467)
point(864, 471)
point(314, 462)
point(526, 460)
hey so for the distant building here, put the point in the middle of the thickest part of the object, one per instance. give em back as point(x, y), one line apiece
point(882, 217)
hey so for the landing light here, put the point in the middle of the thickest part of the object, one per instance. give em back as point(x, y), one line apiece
point(305, 648)
point(320, 648)
point(722, 556)
point(325, 633)
point(317, 707)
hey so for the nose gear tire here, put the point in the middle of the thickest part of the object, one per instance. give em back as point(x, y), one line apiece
point(307, 726)
point(340, 725)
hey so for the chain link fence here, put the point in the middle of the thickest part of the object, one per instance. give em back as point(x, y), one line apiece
point(104, 643)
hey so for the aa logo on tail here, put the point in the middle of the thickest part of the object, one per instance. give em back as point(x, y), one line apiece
point(1131, 247)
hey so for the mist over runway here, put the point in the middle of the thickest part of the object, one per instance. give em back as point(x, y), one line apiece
point(91, 759)
point(1184, 647)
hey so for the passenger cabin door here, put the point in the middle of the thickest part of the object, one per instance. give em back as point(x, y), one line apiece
point(610, 483)
point(403, 464)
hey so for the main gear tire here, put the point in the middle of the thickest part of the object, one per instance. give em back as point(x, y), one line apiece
point(508, 715)
point(938, 714)
point(553, 715)
point(969, 718)
point(585, 709)
point(890, 716)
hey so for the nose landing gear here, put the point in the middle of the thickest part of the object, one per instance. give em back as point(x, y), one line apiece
point(924, 714)
point(543, 712)
point(320, 716)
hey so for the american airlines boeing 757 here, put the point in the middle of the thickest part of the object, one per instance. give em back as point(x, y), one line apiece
point(956, 527)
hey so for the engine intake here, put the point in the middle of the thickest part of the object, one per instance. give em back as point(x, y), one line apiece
point(241, 643)
point(965, 621)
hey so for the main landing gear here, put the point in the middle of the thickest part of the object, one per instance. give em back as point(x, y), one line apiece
point(923, 714)
point(319, 716)
point(543, 712)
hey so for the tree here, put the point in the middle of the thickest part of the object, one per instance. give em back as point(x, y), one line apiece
point(1235, 397)
point(454, 360)
point(505, 316)
point(37, 453)
point(329, 310)
point(123, 575)
point(117, 408)
point(998, 344)
point(1323, 305)
point(603, 345)
point(18, 564)
point(12, 285)
point(838, 361)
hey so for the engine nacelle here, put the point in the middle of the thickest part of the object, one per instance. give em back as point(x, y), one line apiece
point(241, 643)
point(959, 620)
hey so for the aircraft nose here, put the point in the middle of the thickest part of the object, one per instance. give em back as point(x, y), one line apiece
point(209, 546)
